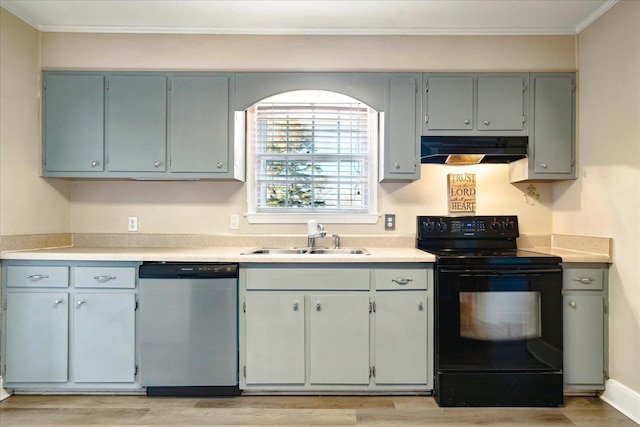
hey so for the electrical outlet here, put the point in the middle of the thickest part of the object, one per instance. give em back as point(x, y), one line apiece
point(389, 222)
point(234, 222)
point(132, 223)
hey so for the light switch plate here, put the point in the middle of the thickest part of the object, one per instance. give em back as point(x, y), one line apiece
point(389, 222)
point(234, 222)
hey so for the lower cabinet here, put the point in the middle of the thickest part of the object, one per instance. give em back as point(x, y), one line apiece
point(584, 325)
point(356, 328)
point(69, 326)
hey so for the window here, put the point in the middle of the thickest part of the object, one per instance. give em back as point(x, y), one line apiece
point(311, 153)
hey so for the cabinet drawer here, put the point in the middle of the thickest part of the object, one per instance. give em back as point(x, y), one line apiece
point(583, 278)
point(104, 277)
point(400, 279)
point(37, 276)
point(308, 278)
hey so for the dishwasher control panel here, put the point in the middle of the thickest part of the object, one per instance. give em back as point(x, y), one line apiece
point(177, 270)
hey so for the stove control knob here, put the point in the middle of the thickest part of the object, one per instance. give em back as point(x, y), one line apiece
point(507, 225)
point(429, 226)
point(441, 226)
point(495, 225)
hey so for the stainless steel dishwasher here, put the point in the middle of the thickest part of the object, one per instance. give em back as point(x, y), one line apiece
point(189, 329)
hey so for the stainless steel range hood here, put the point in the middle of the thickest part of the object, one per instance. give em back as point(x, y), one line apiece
point(467, 150)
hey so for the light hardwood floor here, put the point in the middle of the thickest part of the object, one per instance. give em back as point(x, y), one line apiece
point(396, 411)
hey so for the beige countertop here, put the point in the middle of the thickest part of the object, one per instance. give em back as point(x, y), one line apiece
point(568, 255)
point(213, 254)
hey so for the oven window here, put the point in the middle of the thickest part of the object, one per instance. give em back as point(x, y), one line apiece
point(500, 316)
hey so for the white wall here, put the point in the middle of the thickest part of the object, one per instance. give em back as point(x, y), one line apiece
point(204, 207)
point(605, 200)
point(28, 204)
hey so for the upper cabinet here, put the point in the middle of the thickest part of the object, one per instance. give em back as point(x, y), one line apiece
point(140, 126)
point(475, 104)
point(400, 144)
point(552, 133)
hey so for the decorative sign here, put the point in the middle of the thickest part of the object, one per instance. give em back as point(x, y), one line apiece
point(462, 192)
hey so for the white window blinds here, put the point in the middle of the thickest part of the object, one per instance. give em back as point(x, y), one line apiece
point(312, 157)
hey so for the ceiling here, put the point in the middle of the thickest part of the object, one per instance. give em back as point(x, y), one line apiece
point(358, 17)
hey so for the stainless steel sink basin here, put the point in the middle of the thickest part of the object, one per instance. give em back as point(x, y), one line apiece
point(307, 251)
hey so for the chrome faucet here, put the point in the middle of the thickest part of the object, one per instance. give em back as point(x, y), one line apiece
point(313, 235)
point(336, 241)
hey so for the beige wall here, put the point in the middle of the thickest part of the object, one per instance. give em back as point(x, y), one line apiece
point(605, 200)
point(204, 207)
point(28, 204)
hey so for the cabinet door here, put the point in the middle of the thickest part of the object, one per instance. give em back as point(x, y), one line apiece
point(37, 337)
point(339, 339)
point(401, 337)
point(449, 103)
point(553, 125)
point(104, 337)
point(274, 338)
point(500, 103)
point(73, 123)
point(200, 124)
point(137, 123)
point(401, 142)
point(583, 323)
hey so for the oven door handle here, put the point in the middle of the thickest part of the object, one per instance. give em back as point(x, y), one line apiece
point(503, 272)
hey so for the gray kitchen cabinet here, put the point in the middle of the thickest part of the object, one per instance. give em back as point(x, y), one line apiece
point(339, 338)
point(274, 338)
point(328, 327)
point(584, 325)
point(475, 104)
point(73, 123)
point(552, 132)
point(200, 126)
point(137, 123)
point(69, 325)
point(36, 337)
point(400, 145)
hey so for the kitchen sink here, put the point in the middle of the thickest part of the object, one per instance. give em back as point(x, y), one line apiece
point(307, 251)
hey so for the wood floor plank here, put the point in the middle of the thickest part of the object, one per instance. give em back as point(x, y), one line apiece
point(300, 402)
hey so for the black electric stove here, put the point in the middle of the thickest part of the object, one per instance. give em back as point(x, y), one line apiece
point(498, 314)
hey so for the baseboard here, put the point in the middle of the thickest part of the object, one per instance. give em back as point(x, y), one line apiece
point(623, 399)
point(3, 393)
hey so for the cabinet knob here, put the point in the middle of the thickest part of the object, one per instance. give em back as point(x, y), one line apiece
point(466, 121)
point(95, 163)
point(396, 165)
point(486, 122)
point(573, 304)
point(157, 164)
point(318, 306)
point(80, 302)
point(543, 165)
point(219, 165)
point(420, 306)
point(295, 306)
point(58, 301)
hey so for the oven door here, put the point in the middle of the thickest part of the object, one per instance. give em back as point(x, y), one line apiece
point(498, 319)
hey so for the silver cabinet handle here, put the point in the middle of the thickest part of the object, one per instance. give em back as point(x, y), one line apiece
point(466, 121)
point(58, 301)
point(396, 165)
point(95, 163)
point(486, 122)
point(157, 164)
point(402, 281)
point(295, 306)
point(584, 280)
point(543, 165)
point(318, 306)
point(104, 278)
point(420, 305)
point(219, 165)
point(80, 302)
point(573, 304)
point(37, 276)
